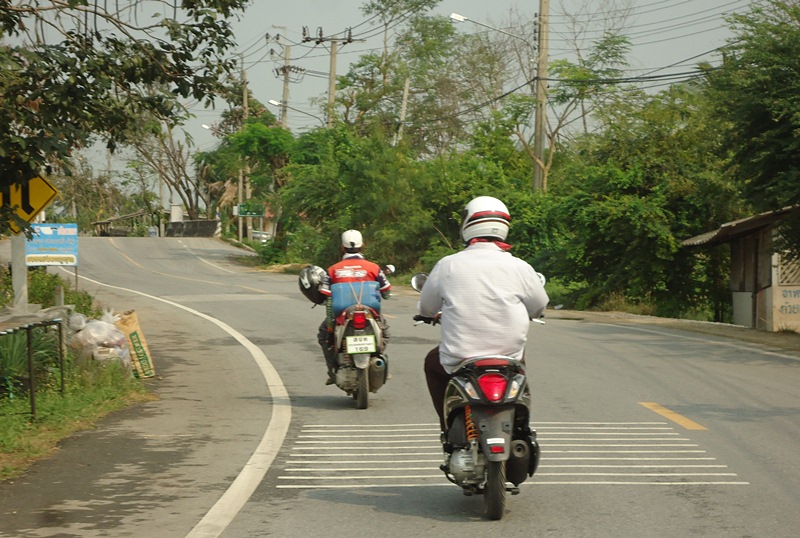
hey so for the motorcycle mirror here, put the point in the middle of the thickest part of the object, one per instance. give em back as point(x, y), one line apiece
point(418, 280)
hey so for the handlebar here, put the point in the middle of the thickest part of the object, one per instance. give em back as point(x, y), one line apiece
point(424, 319)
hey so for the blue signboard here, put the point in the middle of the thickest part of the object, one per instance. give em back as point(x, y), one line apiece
point(52, 244)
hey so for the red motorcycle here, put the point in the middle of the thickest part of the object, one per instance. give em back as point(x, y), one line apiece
point(358, 338)
point(361, 363)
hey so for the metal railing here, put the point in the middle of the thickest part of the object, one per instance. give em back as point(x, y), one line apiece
point(28, 328)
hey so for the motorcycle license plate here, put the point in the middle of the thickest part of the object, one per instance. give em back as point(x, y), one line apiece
point(361, 344)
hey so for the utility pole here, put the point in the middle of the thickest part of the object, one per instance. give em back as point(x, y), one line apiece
point(334, 41)
point(287, 50)
point(245, 115)
point(331, 85)
point(540, 121)
point(284, 71)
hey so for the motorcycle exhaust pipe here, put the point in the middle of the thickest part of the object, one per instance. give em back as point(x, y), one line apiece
point(518, 462)
point(377, 373)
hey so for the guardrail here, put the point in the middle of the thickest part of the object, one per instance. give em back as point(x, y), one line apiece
point(28, 328)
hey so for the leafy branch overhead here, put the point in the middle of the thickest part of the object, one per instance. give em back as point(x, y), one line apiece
point(74, 72)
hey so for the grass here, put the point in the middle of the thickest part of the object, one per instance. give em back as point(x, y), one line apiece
point(92, 391)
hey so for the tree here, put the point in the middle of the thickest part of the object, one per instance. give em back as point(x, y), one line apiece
point(355, 182)
point(627, 195)
point(169, 159)
point(756, 91)
point(86, 196)
point(73, 71)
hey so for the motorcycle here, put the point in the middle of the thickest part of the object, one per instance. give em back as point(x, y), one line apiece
point(358, 338)
point(489, 447)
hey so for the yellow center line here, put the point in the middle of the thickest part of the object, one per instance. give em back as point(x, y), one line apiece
point(180, 277)
point(673, 416)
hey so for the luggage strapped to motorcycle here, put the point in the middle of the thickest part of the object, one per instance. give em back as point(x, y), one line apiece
point(355, 297)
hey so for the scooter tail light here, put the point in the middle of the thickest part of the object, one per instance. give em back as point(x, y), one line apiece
point(493, 386)
point(359, 320)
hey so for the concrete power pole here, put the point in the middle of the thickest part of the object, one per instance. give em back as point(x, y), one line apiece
point(334, 41)
point(285, 102)
point(540, 121)
point(331, 85)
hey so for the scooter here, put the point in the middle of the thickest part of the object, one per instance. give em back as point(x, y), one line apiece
point(361, 362)
point(361, 365)
point(489, 447)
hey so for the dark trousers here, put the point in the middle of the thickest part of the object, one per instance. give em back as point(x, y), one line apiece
point(325, 339)
point(437, 380)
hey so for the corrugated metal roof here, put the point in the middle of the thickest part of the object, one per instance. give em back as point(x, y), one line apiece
point(733, 230)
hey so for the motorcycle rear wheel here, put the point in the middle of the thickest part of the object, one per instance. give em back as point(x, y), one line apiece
point(494, 494)
point(362, 390)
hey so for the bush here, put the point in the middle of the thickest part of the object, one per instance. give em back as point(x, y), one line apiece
point(42, 291)
point(14, 356)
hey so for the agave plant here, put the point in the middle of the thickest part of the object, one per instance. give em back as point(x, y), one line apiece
point(14, 352)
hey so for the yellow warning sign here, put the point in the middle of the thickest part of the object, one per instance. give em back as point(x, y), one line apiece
point(29, 198)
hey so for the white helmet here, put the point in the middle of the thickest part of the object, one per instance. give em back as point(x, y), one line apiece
point(486, 217)
point(352, 239)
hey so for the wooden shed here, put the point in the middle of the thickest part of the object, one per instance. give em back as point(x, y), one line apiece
point(764, 284)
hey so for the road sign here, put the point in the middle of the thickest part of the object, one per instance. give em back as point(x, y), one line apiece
point(30, 198)
point(245, 210)
point(52, 244)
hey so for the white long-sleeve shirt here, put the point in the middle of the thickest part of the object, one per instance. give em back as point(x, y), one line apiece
point(487, 298)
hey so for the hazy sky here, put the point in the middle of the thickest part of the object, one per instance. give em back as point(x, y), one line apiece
point(668, 36)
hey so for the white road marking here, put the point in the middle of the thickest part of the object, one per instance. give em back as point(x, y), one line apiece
point(217, 519)
point(581, 453)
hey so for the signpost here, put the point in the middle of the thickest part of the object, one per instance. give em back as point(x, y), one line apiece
point(28, 200)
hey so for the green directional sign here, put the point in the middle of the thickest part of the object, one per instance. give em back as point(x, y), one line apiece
point(251, 210)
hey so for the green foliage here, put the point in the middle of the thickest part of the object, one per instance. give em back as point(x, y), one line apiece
point(88, 81)
point(360, 183)
point(621, 202)
point(42, 291)
point(14, 354)
point(756, 91)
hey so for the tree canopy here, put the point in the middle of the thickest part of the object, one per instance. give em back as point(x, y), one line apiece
point(72, 72)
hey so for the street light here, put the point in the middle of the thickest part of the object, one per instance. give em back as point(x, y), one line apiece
point(539, 183)
point(455, 17)
point(273, 102)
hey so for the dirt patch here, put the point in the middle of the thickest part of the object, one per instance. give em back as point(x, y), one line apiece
point(780, 340)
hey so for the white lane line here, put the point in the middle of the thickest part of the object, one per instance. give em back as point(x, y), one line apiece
point(217, 519)
point(525, 484)
point(592, 453)
point(547, 458)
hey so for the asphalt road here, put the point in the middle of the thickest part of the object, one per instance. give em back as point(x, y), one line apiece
point(647, 430)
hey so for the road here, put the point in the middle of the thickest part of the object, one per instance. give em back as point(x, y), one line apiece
point(646, 430)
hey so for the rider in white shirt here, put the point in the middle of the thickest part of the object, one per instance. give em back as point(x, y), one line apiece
point(486, 297)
